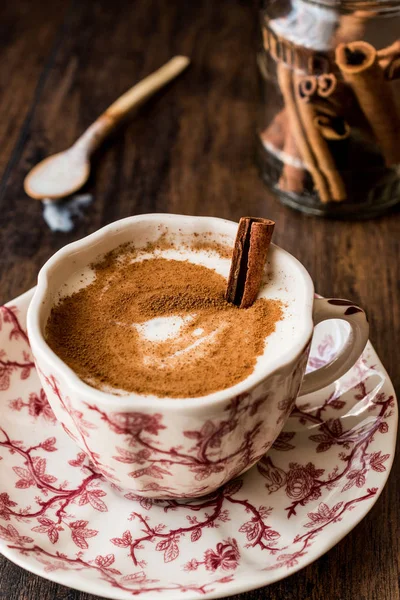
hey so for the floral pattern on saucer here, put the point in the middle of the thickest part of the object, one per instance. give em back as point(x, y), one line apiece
point(60, 519)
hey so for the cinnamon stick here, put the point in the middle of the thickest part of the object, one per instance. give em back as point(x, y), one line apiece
point(323, 157)
point(358, 62)
point(292, 176)
point(308, 86)
point(392, 71)
point(285, 79)
point(389, 60)
point(327, 84)
point(249, 255)
point(279, 141)
point(331, 127)
point(326, 91)
point(275, 134)
point(333, 97)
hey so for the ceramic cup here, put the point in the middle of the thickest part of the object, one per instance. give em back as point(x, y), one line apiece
point(168, 447)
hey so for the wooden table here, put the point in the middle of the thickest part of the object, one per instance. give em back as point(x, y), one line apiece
point(190, 150)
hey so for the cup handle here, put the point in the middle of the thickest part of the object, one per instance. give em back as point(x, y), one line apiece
point(335, 308)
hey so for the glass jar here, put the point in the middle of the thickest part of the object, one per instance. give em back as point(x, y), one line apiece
point(329, 129)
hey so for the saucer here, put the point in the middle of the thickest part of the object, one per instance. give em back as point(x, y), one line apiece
point(61, 520)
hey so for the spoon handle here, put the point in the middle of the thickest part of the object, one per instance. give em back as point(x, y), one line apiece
point(135, 96)
point(147, 87)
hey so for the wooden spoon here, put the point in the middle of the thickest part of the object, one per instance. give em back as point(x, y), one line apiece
point(62, 174)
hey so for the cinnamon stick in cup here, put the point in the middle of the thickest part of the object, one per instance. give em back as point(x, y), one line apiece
point(248, 259)
point(358, 62)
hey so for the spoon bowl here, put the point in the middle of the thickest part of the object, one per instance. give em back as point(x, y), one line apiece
point(58, 175)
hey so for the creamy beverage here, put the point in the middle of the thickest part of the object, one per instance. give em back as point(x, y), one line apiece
point(154, 321)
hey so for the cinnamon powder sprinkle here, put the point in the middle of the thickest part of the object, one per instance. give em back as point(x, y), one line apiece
point(99, 330)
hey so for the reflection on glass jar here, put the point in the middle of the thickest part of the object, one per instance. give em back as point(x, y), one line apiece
point(329, 133)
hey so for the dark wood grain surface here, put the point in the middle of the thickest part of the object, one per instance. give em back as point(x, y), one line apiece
point(189, 150)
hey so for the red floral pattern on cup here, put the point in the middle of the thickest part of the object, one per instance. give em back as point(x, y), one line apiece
point(146, 453)
point(57, 522)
